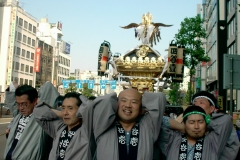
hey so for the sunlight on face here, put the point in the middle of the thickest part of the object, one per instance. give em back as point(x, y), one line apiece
point(129, 105)
point(69, 110)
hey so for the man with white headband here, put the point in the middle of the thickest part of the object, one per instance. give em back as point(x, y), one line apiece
point(196, 143)
point(208, 102)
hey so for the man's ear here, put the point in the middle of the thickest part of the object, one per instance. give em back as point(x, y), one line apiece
point(212, 108)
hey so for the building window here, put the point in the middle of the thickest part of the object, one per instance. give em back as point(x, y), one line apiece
point(18, 51)
point(16, 34)
point(20, 22)
point(33, 42)
point(30, 27)
point(30, 82)
point(29, 40)
point(24, 38)
point(23, 52)
point(22, 67)
point(19, 36)
point(31, 69)
point(13, 65)
point(21, 81)
point(34, 29)
point(16, 79)
point(26, 81)
point(27, 68)
point(25, 24)
point(28, 54)
point(17, 66)
point(32, 56)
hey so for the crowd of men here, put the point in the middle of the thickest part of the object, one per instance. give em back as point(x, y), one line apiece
point(130, 126)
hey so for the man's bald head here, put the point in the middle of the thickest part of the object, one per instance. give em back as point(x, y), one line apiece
point(129, 106)
point(132, 92)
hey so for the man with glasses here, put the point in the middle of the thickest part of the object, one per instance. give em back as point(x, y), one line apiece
point(27, 140)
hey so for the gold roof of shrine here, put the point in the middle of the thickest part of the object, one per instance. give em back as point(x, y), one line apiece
point(141, 61)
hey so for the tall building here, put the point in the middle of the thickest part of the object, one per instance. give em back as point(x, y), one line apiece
point(43, 63)
point(17, 44)
point(222, 23)
point(51, 34)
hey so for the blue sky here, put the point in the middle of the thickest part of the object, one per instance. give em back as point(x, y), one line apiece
point(87, 23)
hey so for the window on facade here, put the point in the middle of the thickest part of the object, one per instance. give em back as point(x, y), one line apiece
point(34, 29)
point(28, 54)
point(16, 34)
point(14, 50)
point(25, 24)
point(19, 36)
point(27, 68)
point(17, 66)
point(31, 69)
point(24, 38)
point(20, 22)
point(26, 81)
point(22, 67)
point(32, 56)
point(16, 20)
point(30, 27)
point(13, 64)
point(21, 81)
point(29, 40)
point(33, 42)
point(18, 51)
point(23, 52)
point(16, 79)
point(30, 82)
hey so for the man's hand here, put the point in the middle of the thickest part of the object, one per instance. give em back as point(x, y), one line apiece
point(7, 131)
point(179, 118)
point(176, 125)
point(58, 113)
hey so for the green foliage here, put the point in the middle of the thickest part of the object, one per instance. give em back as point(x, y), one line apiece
point(175, 94)
point(72, 86)
point(85, 91)
point(188, 96)
point(191, 35)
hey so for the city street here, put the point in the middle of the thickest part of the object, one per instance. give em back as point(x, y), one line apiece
point(3, 125)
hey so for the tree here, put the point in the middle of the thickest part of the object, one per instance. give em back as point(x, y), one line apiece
point(72, 86)
point(85, 91)
point(187, 96)
point(175, 94)
point(190, 35)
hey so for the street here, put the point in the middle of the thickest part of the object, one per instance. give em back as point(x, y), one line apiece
point(3, 125)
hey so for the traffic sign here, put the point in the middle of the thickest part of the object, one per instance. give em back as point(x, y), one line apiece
point(90, 85)
point(113, 86)
point(65, 85)
point(103, 86)
point(79, 85)
point(85, 81)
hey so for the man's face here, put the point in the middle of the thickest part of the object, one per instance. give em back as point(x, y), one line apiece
point(69, 110)
point(204, 104)
point(24, 105)
point(129, 105)
point(195, 126)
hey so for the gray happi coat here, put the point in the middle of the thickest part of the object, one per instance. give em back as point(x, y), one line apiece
point(105, 130)
point(220, 129)
point(32, 144)
point(48, 94)
point(81, 146)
